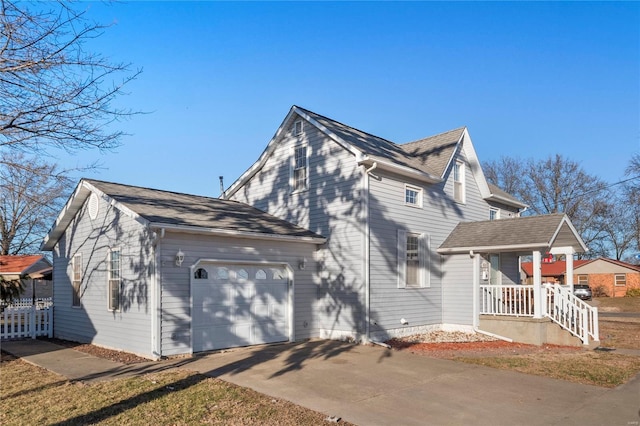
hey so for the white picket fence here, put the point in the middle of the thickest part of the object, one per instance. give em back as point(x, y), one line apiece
point(21, 319)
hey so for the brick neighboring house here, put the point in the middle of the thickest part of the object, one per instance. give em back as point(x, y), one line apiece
point(613, 277)
point(551, 272)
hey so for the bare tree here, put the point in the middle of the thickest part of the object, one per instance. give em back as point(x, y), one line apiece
point(556, 185)
point(54, 93)
point(32, 193)
point(631, 201)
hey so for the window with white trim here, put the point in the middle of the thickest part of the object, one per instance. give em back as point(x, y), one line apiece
point(412, 196)
point(620, 280)
point(299, 169)
point(413, 260)
point(298, 128)
point(494, 213)
point(583, 279)
point(458, 182)
point(76, 279)
point(114, 276)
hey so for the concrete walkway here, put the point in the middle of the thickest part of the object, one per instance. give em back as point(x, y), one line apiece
point(374, 386)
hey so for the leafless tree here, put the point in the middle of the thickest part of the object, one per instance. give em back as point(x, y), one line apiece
point(632, 201)
point(53, 92)
point(556, 185)
point(32, 193)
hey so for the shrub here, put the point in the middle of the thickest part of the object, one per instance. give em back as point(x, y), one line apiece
point(600, 291)
point(633, 292)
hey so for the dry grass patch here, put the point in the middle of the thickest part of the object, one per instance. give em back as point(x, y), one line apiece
point(617, 304)
point(591, 368)
point(621, 333)
point(30, 395)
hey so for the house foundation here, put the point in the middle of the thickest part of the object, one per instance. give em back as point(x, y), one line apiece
point(533, 331)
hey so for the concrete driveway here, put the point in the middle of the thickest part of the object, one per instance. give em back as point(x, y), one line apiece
point(370, 385)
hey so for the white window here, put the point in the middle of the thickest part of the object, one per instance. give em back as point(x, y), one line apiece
point(412, 196)
point(76, 279)
point(620, 280)
point(114, 275)
point(583, 279)
point(494, 214)
point(299, 169)
point(495, 277)
point(413, 260)
point(458, 182)
point(298, 128)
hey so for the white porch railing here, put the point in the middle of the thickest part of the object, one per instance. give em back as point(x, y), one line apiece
point(571, 313)
point(556, 303)
point(511, 300)
point(19, 321)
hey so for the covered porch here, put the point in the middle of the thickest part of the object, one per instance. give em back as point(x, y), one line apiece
point(538, 313)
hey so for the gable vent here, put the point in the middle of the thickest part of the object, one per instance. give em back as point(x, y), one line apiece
point(93, 206)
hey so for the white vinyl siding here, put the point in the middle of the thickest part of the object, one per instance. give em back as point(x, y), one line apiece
point(92, 322)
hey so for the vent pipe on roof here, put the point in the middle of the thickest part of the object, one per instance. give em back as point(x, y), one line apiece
point(222, 194)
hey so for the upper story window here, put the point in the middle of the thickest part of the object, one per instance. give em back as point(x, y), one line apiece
point(494, 214)
point(412, 196)
point(113, 272)
point(76, 279)
point(298, 128)
point(300, 168)
point(458, 182)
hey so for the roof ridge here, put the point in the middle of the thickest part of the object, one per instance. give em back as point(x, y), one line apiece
point(432, 136)
point(346, 125)
point(157, 190)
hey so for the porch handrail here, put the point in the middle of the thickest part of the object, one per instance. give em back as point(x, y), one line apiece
point(571, 313)
point(509, 300)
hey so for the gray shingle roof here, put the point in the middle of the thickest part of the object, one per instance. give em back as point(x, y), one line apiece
point(173, 208)
point(517, 233)
point(430, 155)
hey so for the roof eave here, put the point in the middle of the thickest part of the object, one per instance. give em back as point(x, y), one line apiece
point(498, 248)
point(507, 201)
point(236, 234)
point(400, 170)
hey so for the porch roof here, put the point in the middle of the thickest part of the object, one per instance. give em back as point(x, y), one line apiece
point(520, 234)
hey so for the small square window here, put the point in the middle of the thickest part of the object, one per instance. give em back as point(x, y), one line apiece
point(583, 279)
point(621, 280)
point(412, 196)
point(494, 214)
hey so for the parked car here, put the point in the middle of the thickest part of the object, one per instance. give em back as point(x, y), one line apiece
point(582, 291)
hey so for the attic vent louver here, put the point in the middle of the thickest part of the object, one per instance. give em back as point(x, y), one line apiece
point(93, 206)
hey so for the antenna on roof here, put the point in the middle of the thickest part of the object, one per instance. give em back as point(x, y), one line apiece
point(222, 194)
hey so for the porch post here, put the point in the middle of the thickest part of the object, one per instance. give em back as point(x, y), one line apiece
point(537, 285)
point(476, 288)
point(569, 272)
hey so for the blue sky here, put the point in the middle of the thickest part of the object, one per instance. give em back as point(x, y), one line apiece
point(528, 79)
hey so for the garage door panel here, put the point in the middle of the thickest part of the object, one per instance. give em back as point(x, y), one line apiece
point(240, 306)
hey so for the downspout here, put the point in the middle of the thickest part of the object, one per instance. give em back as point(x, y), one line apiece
point(365, 248)
point(156, 318)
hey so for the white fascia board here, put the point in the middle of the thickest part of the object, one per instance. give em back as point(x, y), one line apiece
point(491, 249)
point(329, 133)
point(507, 201)
point(398, 169)
point(68, 212)
point(235, 234)
point(474, 164)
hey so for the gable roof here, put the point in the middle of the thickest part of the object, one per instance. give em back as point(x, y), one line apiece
point(181, 212)
point(426, 159)
point(516, 234)
point(613, 262)
point(23, 264)
point(555, 269)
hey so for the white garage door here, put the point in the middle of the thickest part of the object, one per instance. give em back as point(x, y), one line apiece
point(239, 305)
